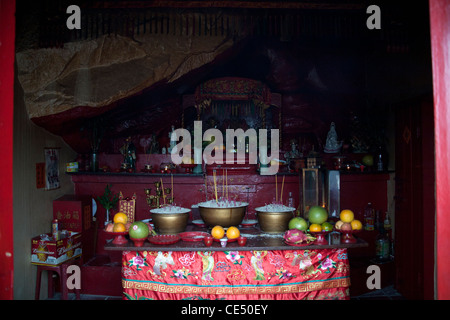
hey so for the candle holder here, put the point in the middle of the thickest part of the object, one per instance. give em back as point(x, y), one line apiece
point(157, 200)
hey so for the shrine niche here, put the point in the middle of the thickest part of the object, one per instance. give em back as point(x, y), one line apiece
point(232, 103)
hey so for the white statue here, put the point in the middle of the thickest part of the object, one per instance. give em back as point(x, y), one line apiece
point(173, 143)
point(332, 145)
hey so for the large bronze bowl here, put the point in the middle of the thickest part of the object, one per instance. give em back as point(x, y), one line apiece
point(274, 222)
point(225, 217)
point(170, 223)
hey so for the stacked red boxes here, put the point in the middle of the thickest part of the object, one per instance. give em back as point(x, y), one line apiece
point(74, 213)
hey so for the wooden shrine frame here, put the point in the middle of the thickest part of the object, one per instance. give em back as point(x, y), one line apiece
point(232, 89)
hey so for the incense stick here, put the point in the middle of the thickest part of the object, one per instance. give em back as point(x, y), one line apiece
point(171, 181)
point(282, 186)
point(223, 183)
point(163, 192)
point(226, 179)
point(215, 185)
point(276, 189)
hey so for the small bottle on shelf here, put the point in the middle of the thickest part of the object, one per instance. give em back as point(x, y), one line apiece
point(387, 222)
point(291, 200)
point(382, 246)
point(369, 217)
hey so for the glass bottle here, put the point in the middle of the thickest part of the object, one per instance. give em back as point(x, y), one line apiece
point(387, 222)
point(291, 200)
point(382, 246)
point(380, 159)
point(369, 217)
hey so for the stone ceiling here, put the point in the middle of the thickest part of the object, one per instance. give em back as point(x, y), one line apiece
point(130, 68)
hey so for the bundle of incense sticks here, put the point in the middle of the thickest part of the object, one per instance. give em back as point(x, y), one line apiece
point(276, 190)
point(226, 180)
point(163, 192)
point(215, 185)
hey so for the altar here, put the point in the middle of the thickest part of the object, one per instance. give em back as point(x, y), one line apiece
point(265, 268)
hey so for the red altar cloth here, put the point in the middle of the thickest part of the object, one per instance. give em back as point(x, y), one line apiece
point(250, 275)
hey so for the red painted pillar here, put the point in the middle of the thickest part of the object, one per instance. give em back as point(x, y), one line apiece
point(440, 47)
point(7, 38)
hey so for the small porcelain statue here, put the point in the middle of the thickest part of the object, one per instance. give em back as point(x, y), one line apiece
point(128, 150)
point(294, 153)
point(332, 145)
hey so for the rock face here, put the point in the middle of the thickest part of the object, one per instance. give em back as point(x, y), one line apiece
point(100, 72)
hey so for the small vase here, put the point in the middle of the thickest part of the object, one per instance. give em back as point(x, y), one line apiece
point(107, 217)
point(94, 162)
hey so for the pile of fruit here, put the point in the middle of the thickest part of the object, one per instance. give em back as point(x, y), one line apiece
point(299, 227)
point(218, 232)
point(120, 223)
point(317, 221)
point(347, 221)
point(136, 230)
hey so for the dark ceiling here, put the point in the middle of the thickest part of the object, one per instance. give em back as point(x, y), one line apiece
point(331, 65)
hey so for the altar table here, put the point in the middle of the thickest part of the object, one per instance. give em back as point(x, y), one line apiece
point(266, 268)
point(271, 274)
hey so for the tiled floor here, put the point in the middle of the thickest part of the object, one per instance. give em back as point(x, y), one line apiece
point(387, 293)
point(72, 296)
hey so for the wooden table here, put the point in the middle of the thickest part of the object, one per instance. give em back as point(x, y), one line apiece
point(265, 268)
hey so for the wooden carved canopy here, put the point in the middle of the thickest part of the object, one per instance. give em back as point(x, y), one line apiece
point(234, 97)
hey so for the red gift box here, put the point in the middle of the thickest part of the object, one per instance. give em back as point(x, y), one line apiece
point(50, 252)
point(74, 213)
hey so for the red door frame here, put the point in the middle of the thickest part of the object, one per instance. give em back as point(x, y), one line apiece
point(7, 49)
point(440, 50)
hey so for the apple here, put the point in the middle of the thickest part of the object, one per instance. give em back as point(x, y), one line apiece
point(338, 224)
point(346, 226)
point(367, 160)
point(109, 227)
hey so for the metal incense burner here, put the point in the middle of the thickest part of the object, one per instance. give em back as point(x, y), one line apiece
point(157, 200)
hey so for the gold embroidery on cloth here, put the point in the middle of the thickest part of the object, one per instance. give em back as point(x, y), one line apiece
point(283, 288)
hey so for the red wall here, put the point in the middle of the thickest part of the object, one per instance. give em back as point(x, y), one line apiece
point(7, 38)
point(440, 33)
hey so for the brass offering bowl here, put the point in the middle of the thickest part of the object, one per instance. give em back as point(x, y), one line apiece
point(224, 216)
point(274, 222)
point(170, 223)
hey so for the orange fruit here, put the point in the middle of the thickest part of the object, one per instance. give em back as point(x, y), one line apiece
point(119, 227)
point(347, 215)
point(356, 224)
point(233, 233)
point(120, 217)
point(217, 232)
point(315, 227)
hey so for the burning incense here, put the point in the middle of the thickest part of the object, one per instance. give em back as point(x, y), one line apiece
point(171, 181)
point(276, 189)
point(223, 183)
point(215, 185)
point(282, 186)
point(226, 180)
point(206, 188)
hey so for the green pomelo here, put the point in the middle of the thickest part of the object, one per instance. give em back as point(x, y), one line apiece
point(317, 214)
point(138, 230)
point(298, 223)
